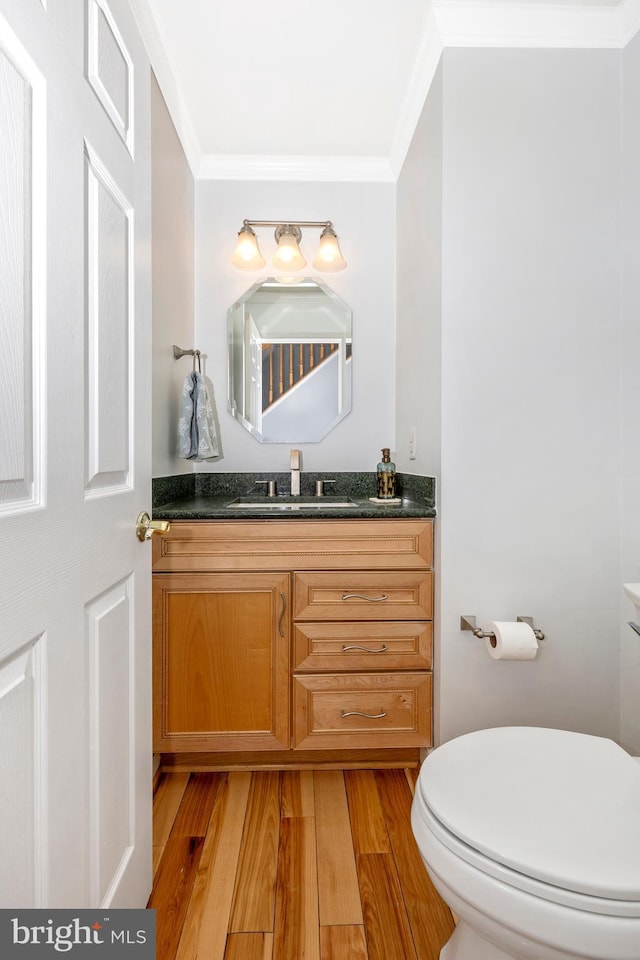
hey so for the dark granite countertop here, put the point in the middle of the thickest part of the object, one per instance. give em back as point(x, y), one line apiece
point(222, 508)
point(212, 496)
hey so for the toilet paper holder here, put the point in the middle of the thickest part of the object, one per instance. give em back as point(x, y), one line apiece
point(469, 623)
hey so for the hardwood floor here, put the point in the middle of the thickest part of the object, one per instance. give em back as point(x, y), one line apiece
point(295, 865)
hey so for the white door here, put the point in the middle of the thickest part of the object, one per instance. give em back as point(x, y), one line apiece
point(75, 742)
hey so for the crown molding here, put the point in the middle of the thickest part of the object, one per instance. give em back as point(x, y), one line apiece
point(629, 13)
point(422, 76)
point(153, 41)
point(465, 23)
point(318, 169)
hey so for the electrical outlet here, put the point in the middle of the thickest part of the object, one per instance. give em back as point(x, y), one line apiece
point(412, 443)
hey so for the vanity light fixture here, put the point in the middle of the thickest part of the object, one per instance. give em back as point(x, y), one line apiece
point(288, 255)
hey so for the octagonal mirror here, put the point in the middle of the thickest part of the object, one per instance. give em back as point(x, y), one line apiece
point(289, 360)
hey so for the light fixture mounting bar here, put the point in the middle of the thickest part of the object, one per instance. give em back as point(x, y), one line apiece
point(288, 223)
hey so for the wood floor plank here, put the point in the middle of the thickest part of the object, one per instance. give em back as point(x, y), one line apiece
point(205, 928)
point(338, 891)
point(255, 886)
point(249, 946)
point(343, 943)
point(368, 825)
point(297, 794)
point(296, 931)
point(172, 890)
point(166, 800)
point(431, 920)
point(385, 918)
point(192, 818)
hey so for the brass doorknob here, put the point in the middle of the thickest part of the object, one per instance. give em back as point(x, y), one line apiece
point(146, 527)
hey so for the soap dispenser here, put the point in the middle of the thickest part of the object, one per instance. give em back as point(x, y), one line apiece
point(386, 476)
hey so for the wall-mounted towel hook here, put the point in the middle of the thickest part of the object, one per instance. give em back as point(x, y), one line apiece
point(179, 352)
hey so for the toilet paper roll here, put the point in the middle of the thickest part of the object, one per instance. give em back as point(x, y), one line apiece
point(513, 641)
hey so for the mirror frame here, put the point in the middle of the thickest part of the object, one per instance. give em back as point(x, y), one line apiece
point(287, 327)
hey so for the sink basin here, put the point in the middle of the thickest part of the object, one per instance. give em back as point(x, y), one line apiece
point(290, 503)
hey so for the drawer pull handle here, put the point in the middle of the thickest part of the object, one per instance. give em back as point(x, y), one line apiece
point(369, 716)
point(282, 612)
point(355, 646)
point(360, 596)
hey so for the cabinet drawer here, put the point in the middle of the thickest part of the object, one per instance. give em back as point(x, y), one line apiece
point(362, 710)
point(294, 545)
point(364, 595)
point(392, 645)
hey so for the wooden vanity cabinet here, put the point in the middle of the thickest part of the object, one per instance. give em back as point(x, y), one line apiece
point(293, 640)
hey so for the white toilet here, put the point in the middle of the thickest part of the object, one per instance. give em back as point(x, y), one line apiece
point(532, 836)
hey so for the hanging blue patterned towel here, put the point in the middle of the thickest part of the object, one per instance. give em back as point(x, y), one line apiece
point(197, 438)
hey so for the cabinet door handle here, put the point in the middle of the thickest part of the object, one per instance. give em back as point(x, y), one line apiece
point(359, 596)
point(355, 646)
point(282, 613)
point(358, 713)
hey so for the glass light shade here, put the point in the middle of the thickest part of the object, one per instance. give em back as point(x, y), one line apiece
point(329, 258)
point(288, 255)
point(247, 256)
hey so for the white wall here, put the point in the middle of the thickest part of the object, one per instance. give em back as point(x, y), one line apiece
point(530, 383)
point(173, 282)
point(630, 642)
point(419, 311)
point(419, 292)
point(364, 218)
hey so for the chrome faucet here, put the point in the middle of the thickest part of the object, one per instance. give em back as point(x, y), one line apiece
point(295, 473)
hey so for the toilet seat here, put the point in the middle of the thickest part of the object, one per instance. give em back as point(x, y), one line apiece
point(550, 812)
point(520, 881)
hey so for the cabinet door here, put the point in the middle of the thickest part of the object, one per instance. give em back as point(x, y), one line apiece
point(221, 661)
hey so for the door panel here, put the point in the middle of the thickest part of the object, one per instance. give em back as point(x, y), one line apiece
point(109, 639)
point(109, 69)
point(109, 236)
point(21, 294)
point(23, 773)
